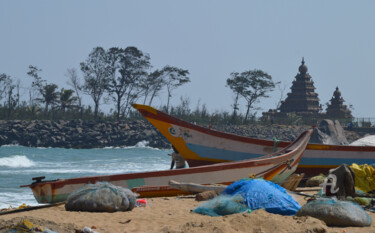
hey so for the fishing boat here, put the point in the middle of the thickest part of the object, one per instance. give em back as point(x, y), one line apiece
point(276, 167)
point(201, 146)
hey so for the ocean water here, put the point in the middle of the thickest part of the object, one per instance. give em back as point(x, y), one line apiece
point(19, 164)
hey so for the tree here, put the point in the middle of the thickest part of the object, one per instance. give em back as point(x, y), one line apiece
point(174, 77)
point(96, 76)
point(75, 82)
point(3, 78)
point(282, 91)
point(235, 84)
point(11, 99)
point(46, 90)
point(50, 95)
point(251, 85)
point(67, 99)
point(152, 85)
point(127, 68)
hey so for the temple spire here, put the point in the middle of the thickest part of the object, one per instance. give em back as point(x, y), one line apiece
point(337, 109)
point(302, 99)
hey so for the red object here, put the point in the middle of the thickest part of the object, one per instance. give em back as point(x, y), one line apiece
point(143, 201)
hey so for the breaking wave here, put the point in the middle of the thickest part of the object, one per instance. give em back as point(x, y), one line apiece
point(16, 161)
point(141, 144)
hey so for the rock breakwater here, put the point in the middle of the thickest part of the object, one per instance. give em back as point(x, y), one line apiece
point(90, 134)
point(79, 134)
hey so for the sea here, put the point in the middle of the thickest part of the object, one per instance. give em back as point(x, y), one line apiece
point(18, 165)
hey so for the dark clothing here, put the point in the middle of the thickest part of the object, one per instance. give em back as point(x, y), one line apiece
point(344, 184)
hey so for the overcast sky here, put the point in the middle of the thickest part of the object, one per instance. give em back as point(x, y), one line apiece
point(209, 38)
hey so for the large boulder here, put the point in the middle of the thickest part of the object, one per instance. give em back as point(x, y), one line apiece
point(329, 132)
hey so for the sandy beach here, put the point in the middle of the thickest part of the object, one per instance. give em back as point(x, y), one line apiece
point(173, 214)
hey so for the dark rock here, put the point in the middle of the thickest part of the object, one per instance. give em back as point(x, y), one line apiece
point(329, 132)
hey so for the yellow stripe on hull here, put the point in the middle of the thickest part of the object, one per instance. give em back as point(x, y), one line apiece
point(318, 147)
point(178, 142)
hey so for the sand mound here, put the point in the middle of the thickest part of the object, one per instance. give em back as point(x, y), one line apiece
point(257, 222)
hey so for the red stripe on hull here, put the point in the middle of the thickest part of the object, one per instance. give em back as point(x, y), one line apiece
point(309, 172)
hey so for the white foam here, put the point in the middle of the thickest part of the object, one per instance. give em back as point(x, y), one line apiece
point(9, 200)
point(16, 161)
point(143, 143)
point(365, 141)
point(10, 145)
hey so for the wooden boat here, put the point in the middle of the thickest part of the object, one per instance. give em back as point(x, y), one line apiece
point(275, 167)
point(201, 146)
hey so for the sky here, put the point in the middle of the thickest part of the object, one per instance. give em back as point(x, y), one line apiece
point(210, 38)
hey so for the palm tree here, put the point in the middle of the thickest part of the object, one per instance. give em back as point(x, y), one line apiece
point(49, 94)
point(67, 99)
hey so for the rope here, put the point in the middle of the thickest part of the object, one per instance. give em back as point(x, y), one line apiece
point(275, 144)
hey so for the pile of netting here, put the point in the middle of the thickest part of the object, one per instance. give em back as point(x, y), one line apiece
point(101, 197)
point(336, 213)
point(222, 205)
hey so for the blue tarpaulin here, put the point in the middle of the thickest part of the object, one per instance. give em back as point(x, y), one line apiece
point(263, 194)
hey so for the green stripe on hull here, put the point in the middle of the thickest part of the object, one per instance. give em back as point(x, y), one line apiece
point(48, 198)
point(135, 183)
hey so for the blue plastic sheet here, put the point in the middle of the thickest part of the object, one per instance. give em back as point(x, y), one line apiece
point(262, 194)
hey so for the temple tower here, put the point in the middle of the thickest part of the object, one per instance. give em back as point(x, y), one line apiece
point(336, 109)
point(302, 99)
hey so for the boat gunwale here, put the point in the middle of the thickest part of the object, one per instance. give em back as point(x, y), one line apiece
point(161, 116)
point(256, 162)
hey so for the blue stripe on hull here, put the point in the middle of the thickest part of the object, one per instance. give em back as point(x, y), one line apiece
point(334, 161)
point(215, 153)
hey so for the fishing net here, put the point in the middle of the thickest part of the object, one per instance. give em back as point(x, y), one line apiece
point(316, 180)
point(101, 197)
point(336, 213)
point(222, 205)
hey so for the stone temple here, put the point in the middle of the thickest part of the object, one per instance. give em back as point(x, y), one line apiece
point(302, 99)
point(336, 109)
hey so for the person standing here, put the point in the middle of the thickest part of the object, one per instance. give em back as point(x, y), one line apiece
point(177, 159)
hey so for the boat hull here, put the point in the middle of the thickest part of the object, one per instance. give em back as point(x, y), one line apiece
point(202, 146)
point(276, 167)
